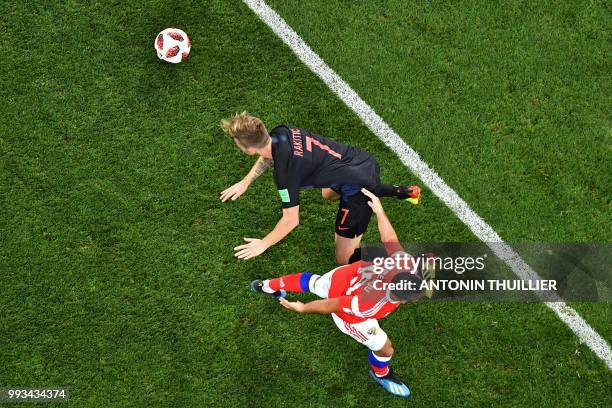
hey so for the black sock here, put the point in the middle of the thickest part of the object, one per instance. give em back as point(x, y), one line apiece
point(356, 256)
point(388, 190)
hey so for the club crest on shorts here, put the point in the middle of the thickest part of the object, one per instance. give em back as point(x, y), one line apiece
point(372, 331)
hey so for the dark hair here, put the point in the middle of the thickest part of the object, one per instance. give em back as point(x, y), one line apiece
point(407, 294)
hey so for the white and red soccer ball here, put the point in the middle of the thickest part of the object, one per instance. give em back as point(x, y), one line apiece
point(172, 45)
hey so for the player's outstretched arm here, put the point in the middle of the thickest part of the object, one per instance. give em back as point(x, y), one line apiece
point(240, 187)
point(255, 247)
point(322, 306)
point(388, 236)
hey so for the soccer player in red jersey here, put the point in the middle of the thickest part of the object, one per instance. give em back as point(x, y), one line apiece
point(356, 297)
point(302, 159)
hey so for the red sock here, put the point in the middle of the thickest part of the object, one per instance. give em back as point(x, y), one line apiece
point(291, 283)
point(380, 372)
point(378, 364)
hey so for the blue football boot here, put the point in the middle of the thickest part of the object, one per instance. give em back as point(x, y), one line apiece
point(391, 384)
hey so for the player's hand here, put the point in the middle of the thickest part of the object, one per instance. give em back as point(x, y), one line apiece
point(295, 306)
point(374, 202)
point(255, 247)
point(234, 191)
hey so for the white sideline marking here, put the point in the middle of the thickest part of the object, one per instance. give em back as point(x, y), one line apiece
point(413, 161)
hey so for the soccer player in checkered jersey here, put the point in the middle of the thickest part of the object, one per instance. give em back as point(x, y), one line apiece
point(302, 159)
point(349, 293)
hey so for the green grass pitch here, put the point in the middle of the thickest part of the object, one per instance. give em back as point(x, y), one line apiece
point(117, 273)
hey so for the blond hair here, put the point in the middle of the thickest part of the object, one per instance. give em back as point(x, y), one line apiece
point(249, 130)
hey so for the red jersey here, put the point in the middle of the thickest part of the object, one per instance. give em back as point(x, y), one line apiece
point(357, 301)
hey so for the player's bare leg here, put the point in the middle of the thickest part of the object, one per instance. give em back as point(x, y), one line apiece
point(386, 350)
point(329, 194)
point(345, 248)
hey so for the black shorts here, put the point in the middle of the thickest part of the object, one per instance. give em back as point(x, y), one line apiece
point(353, 216)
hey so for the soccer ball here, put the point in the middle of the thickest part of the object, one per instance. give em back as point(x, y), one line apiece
point(172, 45)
